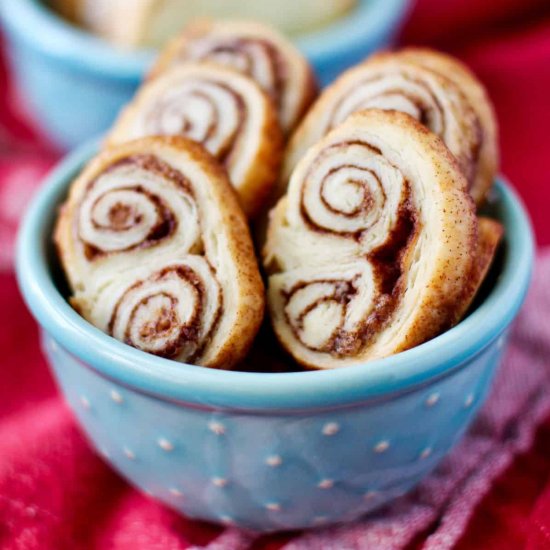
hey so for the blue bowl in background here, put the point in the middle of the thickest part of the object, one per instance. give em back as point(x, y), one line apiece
point(265, 451)
point(74, 84)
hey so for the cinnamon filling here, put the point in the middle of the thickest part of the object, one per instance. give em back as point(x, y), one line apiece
point(423, 107)
point(226, 149)
point(427, 112)
point(238, 48)
point(165, 320)
point(123, 217)
point(365, 205)
point(387, 261)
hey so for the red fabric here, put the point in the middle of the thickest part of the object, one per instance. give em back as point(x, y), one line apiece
point(56, 494)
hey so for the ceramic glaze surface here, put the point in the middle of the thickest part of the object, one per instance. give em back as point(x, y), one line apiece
point(69, 105)
point(286, 470)
point(75, 84)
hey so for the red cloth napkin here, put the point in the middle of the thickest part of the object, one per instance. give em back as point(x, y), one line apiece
point(55, 494)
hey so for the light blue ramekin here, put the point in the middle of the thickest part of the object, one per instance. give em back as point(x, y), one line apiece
point(75, 84)
point(271, 451)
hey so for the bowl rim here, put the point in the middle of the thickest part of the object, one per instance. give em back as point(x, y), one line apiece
point(201, 386)
point(40, 28)
point(50, 34)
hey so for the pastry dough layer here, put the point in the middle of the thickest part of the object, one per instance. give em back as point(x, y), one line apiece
point(434, 88)
point(255, 50)
point(222, 110)
point(158, 254)
point(372, 250)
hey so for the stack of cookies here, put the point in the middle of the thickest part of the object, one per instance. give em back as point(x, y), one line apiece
point(364, 204)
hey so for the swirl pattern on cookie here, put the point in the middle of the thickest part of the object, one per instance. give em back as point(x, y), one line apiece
point(222, 110)
point(255, 50)
point(158, 254)
point(436, 89)
point(371, 250)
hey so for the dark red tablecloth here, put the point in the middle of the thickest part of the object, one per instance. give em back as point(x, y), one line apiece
point(55, 493)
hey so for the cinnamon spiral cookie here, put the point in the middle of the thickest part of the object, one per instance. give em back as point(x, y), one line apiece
point(255, 50)
point(219, 108)
point(436, 89)
point(372, 250)
point(158, 254)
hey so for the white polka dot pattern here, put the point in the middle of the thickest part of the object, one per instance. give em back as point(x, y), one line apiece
point(286, 471)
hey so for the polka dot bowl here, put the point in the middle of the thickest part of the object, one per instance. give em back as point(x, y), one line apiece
point(271, 452)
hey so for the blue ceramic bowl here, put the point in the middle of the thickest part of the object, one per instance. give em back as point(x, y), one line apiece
point(75, 84)
point(271, 451)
